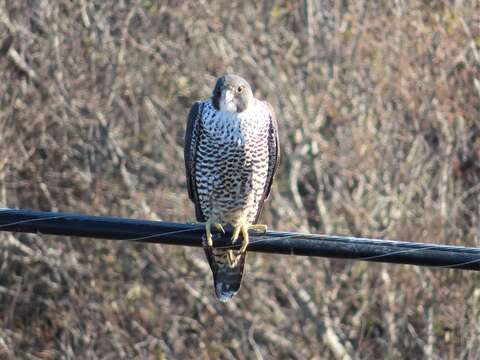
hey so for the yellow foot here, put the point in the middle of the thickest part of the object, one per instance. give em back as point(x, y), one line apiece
point(243, 227)
point(208, 230)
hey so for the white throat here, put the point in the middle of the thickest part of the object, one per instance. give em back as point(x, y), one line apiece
point(228, 106)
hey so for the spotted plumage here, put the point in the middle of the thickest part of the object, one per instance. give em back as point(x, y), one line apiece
point(231, 154)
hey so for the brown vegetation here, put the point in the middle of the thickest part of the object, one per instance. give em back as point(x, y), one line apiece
point(378, 104)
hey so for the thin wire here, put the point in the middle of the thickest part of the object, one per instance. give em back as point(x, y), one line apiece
point(460, 264)
point(396, 253)
point(159, 235)
point(34, 220)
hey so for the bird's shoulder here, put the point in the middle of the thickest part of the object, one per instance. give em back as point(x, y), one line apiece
point(200, 107)
point(264, 106)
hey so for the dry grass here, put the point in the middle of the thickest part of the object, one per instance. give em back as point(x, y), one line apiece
point(379, 106)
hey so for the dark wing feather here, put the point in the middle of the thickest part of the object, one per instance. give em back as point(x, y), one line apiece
point(273, 158)
point(192, 134)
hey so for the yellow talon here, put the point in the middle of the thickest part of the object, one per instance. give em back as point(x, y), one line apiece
point(233, 256)
point(219, 227)
point(245, 240)
point(244, 227)
point(208, 230)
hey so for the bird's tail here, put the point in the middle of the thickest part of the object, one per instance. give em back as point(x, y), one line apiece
point(226, 279)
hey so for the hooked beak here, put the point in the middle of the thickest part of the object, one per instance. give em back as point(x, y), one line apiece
point(226, 101)
point(227, 95)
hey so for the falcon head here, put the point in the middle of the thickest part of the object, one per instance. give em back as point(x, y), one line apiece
point(231, 94)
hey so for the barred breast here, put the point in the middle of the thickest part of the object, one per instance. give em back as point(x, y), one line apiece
point(232, 162)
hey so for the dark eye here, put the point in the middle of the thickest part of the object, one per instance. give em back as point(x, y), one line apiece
point(240, 89)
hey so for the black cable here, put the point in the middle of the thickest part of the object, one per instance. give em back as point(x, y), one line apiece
point(275, 242)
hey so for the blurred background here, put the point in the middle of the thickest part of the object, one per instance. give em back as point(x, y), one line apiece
point(378, 105)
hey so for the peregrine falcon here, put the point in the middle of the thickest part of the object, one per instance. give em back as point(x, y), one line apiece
point(231, 155)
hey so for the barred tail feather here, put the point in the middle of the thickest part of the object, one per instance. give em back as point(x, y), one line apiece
point(227, 280)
